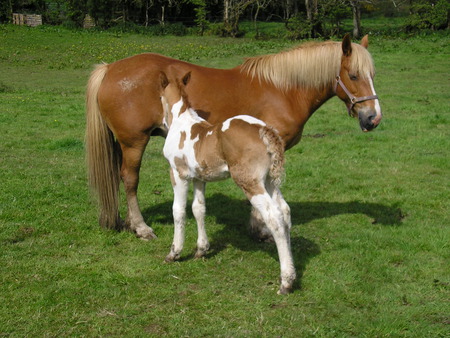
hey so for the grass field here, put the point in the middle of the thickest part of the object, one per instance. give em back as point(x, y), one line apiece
point(370, 236)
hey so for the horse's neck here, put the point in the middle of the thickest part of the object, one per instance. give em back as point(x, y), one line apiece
point(317, 97)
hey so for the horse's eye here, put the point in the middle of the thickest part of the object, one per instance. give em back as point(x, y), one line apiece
point(353, 77)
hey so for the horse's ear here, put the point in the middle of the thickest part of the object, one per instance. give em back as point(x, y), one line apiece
point(164, 81)
point(347, 45)
point(186, 78)
point(365, 41)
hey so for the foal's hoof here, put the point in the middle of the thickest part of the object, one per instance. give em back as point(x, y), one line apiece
point(200, 254)
point(171, 258)
point(284, 290)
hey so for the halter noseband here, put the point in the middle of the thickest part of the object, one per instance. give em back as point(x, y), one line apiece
point(353, 99)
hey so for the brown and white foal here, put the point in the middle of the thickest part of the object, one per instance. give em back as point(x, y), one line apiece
point(242, 147)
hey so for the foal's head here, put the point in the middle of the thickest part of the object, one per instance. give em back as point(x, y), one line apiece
point(354, 84)
point(173, 97)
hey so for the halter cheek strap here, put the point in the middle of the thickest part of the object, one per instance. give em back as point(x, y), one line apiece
point(353, 99)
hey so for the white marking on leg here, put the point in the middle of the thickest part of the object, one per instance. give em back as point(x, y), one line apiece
point(180, 190)
point(274, 220)
point(199, 209)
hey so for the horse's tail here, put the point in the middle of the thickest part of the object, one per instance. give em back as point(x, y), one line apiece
point(275, 148)
point(102, 154)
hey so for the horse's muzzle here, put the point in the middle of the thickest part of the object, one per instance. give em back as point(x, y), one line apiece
point(369, 119)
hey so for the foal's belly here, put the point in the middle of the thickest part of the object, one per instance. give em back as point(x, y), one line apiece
point(209, 173)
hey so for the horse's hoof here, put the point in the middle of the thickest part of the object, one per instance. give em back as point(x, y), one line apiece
point(146, 234)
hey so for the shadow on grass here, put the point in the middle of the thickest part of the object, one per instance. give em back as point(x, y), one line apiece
point(235, 213)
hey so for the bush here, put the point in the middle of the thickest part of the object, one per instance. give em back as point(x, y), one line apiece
point(429, 15)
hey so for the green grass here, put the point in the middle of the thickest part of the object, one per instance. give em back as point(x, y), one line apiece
point(370, 214)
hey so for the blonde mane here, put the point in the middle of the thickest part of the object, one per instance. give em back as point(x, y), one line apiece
point(313, 65)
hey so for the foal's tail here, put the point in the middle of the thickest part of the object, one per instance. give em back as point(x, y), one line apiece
point(275, 147)
point(102, 154)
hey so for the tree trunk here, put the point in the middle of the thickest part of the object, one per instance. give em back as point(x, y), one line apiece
point(226, 11)
point(356, 9)
point(147, 7)
point(255, 18)
point(308, 6)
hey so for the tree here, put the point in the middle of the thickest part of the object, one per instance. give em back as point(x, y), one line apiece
point(356, 11)
point(232, 10)
point(260, 4)
point(200, 14)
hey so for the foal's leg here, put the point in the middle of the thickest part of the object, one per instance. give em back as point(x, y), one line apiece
point(131, 163)
point(258, 228)
point(199, 209)
point(180, 191)
point(274, 219)
point(278, 198)
point(257, 225)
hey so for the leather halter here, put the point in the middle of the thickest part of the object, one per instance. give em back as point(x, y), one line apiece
point(353, 99)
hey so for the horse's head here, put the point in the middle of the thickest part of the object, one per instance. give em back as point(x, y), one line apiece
point(354, 84)
point(173, 97)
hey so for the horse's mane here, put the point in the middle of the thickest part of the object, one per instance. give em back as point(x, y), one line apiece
point(313, 64)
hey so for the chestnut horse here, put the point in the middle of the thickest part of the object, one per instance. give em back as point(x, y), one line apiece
point(124, 108)
point(242, 147)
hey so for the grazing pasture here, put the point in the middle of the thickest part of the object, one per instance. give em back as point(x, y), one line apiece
point(370, 211)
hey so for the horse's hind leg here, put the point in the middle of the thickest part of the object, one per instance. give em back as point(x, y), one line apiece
point(131, 163)
point(278, 198)
point(274, 219)
point(272, 215)
point(257, 225)
point(258, 228)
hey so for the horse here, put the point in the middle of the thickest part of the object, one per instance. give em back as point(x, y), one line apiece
point(242, 147)
point(123, 108)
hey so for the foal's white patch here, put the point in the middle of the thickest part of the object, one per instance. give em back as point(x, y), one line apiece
point(182, 123)
point(246, 118)
point(176, 108)
point(377, 103)
point(127, 85)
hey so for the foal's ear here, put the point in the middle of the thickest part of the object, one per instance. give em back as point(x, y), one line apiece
point(347, 45)
point(164, 81)
point(365, 41)
point(186, 78)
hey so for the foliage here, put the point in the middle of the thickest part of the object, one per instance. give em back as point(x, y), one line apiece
point(322, 18)
point(370, 231)
point(429, 15)
point(200, 14)
point(330, 15)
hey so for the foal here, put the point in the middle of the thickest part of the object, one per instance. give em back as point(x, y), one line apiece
point(242, 147)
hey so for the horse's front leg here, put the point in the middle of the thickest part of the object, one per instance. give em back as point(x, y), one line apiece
point(180, 191)
point(131, 163)
point(199, 209)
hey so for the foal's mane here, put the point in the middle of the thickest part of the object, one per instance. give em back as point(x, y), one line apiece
point(312, 64)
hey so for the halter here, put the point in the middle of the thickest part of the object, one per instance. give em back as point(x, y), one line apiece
point(353, 99)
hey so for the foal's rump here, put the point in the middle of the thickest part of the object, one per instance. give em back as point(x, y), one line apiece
point(250, 148)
